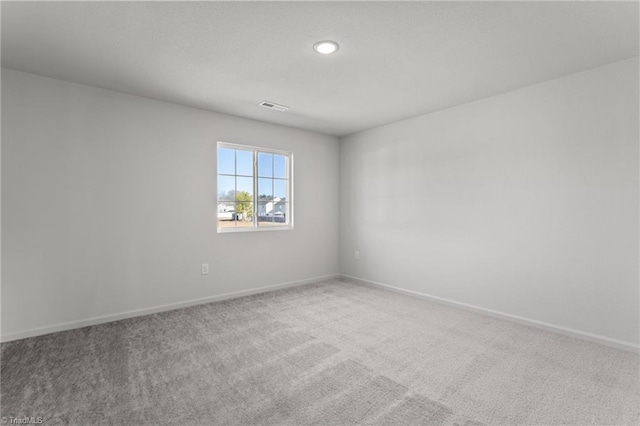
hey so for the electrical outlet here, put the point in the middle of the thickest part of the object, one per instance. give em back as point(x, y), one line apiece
point(356, 255)
point(205, 268)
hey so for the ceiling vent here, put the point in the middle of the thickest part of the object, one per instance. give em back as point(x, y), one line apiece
point(273, 106)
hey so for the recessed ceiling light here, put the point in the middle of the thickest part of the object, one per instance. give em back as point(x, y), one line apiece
point(325, 47)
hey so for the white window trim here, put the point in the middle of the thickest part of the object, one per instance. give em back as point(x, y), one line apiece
point(289, 226)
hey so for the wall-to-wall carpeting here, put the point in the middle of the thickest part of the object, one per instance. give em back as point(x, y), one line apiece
point(332, 353)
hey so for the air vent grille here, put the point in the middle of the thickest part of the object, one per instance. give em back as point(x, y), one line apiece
point(274, 106)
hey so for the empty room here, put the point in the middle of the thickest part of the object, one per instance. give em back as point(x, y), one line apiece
point(337, 213)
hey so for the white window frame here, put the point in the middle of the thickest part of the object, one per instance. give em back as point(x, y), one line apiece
point(289, 172)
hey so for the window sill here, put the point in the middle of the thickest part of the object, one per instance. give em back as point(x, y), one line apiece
point(263, 229)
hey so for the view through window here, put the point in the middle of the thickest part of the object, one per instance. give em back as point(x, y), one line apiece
point(254, 188)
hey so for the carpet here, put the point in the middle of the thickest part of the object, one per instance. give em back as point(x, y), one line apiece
point(332, 353)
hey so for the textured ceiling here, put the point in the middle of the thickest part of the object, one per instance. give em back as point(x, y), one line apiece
point(396, 59)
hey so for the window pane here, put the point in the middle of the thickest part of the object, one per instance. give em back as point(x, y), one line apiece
point(265, 189)
point(244, 162)
point(226, 215)
point(244, 188)
point(244, 214)
point(280, 189)
point(265, 213)
point(226, 161)
point(279, 166)
point(273, 214)
point(261, 210)
point(280, 214)
point(265, 164)
point(226, 188)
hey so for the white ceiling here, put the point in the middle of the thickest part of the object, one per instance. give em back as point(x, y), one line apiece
point(396, 59)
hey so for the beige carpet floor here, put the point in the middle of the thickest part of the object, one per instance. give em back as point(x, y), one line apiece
point(329, 353)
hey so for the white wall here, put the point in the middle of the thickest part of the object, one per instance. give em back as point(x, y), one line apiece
point(524, 203)
point(109, 205)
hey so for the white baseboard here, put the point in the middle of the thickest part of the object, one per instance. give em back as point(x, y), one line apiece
point(618, 344)
point(153, 310)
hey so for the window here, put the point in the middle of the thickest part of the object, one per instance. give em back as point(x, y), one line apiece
point(254, 188)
